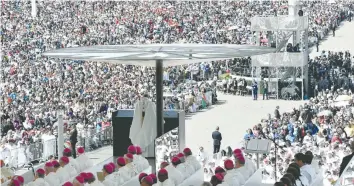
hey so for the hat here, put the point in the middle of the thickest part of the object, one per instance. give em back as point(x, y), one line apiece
point(162, 172)
point(113, 165)
point(219, 176)
point(187, 150)
point(121, 161)
point(20, 179)
point(64, 159)
point(138, 150)
point(16, 183)
point(84, 175)
point(238, 156)
point(228, 164)
point(89, 175)
point(237, 151)
point(148, 179)
point(67, 184)
point(142, 175)
point(66, 150)
point(180, 155)
point(80, 179)
point(132, 149)
point(241, 159)
point(80, 150)
point(49, 164)
point(153, 176)
point(163, 164)
point(129, 156)
point(175, 160)
point(219, 169)
point(55, 163)
point(108, 168)
point(40, 171)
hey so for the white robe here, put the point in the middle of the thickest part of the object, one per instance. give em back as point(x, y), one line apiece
point(250, 166)
point(84, 162)
point(138, 163)
point(309, 172)
point(144, 162)
point(38, 182)
point(223, 184)
point(174, 175)
point(108, 181)
point(63, 174)
point(167, 182)
point(123, 174)
point(96, 183)
point(143, 132)
point(191, 160)
point(52, 179)
point(73, 163)
point(231, 178)
point(128, 171)
point(241, 179)
point(245, 172)
point(183, 169)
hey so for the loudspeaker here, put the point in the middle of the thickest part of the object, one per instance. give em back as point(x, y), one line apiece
point(122, 120)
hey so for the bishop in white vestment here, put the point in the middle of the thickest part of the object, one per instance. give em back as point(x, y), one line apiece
point(84, 162)
point(108, 177)
point(51, 176)
point(174, 174)
point(144, 162)
point(191, 160)
point(72, 162)
point(63, 172)
point(163, 179)
point(39, 179)
point(230, 177)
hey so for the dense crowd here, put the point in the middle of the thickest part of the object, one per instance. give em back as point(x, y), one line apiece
point(33, 87)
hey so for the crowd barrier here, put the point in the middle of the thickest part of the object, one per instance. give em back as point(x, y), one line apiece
point(96, 140)
point(27, 154)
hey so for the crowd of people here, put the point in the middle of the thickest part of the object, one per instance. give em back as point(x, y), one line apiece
point(33, 87)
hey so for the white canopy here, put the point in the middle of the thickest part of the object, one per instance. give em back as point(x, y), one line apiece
point(146, 55)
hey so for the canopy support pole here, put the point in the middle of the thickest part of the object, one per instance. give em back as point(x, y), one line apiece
point(159, 101)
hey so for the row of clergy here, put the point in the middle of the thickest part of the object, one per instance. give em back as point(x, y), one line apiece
point(58, 173)
point(185, 165)
point(237, 170)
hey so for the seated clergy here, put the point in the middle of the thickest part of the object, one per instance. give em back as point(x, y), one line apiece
point(20, 179)
point(122, 174)
point(175, 175)
point(218, 180)
point(189, 167)
point(79, 181)
point(108, 177)
point(68, 183)
point(240, 167)
point(51, 176)
point(91, 180)
point(72, 162)
point(144, 162)
point(129, 164)
point(63, 172)
point(84, 175)
point(176, 162)
point(163, 180)
point(141, 176)
point(190, 159)
point(146, 181)
point(84, 162)
point(39, 179)
point(230, 177)
point(248, 163)
point(137, 162)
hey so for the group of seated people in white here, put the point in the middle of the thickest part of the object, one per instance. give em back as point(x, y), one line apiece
point(182, 166)
point(235, 171)
point(303, 172)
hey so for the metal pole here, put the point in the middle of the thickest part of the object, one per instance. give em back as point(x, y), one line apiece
point(159, 100)
point(60, 134)
point(257, 161)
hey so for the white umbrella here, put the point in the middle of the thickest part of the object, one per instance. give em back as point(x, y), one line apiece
point(325, 113)
point(344, 98)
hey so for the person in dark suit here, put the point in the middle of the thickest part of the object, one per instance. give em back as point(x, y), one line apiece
point(346, 160)
point(73, 140)
point(216, 135)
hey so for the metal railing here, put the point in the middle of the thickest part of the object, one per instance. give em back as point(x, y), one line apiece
point(25, 155)
point(96, 140)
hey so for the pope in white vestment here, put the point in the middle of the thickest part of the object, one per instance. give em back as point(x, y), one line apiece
point(143, 129)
